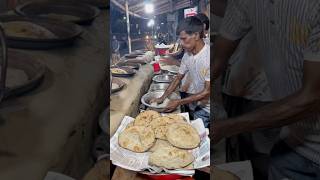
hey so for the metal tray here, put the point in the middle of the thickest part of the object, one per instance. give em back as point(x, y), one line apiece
point(159, 87)
point(171, 69)
point(119, 82)
point(131, 56)
point(66, 32)
point(156, 94)
point(130, 72)
point(163, 78)
point(136, 61)
point(86, 13)
point(131, 64)
point(34, 70)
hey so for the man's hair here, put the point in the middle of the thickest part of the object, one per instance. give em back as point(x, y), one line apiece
point(191, 25)
point(204, 19)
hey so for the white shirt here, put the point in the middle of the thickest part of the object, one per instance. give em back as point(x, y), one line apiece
point(198, 68)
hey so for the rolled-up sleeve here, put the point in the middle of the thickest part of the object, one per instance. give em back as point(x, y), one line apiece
point(236, 21)
point(183, 66)
point(312, 51)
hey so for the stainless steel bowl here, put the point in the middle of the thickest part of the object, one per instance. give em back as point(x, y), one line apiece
point(163, 78)
point(156, 94)
point(159, 86)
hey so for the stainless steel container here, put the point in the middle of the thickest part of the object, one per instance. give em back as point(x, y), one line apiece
point(159, 87)
point(163, 78)
point(145, 100)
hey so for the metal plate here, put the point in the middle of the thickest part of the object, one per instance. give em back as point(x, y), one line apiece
point(156, 94)
point(34, 70)
point(130, 72)
point(131, 56)
point(171, 69)
point(163, 78)
point(66, 33)
point(86, 13)
point(119, 82)
point(129, 64)
point(136, 61)
point(159, 87)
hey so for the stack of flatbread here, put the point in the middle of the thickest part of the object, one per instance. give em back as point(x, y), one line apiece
point(169, 138)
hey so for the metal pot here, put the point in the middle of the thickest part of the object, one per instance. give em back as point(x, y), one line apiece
point(145, 100)
point(159, 87)
point(163, 78)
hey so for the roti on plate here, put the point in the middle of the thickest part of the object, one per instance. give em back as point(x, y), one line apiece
point(176, 117)
point(171, 158)
point(159, 144)
point(183, 135)
point(160, 126)
point(137, 138)
point(145, 118)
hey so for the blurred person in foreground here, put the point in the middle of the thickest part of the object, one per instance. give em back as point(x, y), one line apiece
point(288, 39)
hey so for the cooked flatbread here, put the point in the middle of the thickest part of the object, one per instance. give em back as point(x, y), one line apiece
point(24, 29)
point(159, 145)
point(118, 71)
point(145, 118)
point(171, 158)
point(137, 138)
point(176, 117)
point(160, 126)
point(183, 135)
point(130, 124)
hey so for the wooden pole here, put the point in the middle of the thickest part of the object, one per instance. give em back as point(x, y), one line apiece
point(128, 26)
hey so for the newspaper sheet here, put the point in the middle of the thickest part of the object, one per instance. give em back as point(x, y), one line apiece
point(139, 161)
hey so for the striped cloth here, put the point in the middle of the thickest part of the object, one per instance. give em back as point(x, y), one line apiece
point(288, 32)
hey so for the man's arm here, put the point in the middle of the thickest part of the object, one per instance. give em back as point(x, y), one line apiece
point(172, 87)
point(280, 113)
point(196, 97)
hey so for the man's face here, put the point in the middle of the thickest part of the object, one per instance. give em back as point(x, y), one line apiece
point(188, 41)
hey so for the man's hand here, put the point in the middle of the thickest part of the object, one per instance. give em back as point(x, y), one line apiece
point(173, 104)
point(157, 100)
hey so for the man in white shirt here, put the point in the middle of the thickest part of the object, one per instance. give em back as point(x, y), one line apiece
point(288, 38)
point(195, 62)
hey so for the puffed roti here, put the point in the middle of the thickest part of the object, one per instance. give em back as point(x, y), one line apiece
point(160, 126)
point(171, 158)
point(145, 118)
point(130, 124)
point(159, 145)
point(176, 117)
point(137, 138)
point(183, 135)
